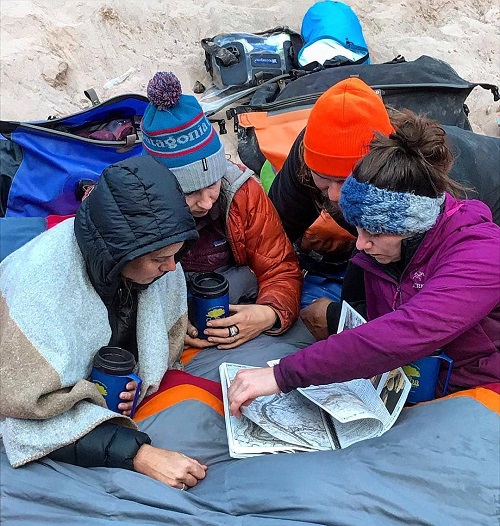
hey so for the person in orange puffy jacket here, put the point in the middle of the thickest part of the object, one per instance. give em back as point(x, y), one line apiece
point(241, 235)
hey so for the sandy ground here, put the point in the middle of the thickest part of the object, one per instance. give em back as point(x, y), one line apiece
point(51, 51)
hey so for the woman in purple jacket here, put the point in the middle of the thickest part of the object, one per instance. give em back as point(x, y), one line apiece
point(430, 266)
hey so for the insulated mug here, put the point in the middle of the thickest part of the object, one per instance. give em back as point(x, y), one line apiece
point(423, 375)
point(112, 371)
point(209, 299)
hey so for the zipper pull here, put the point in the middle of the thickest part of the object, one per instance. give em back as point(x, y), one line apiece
point(395, 299)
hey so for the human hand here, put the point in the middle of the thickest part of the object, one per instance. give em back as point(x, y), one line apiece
point(128, 398)
point(170, 467)
point(314, 318)
point(247, 385)
point(250, 320)
point(191, 339)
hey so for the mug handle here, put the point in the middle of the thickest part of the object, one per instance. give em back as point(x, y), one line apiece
point(135, 378)
point(446, 358)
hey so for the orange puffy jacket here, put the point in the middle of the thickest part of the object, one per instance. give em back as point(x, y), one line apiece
point(259, 241)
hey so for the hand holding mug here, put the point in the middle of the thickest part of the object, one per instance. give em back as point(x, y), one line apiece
point(127, 397)
point(113, 374)
point(245, 323)
point(192, 340)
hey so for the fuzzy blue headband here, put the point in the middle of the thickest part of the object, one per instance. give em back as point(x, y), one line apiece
point(380, 211)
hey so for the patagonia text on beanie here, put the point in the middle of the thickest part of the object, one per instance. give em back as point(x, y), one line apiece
point(176, 131)
point(341, 126)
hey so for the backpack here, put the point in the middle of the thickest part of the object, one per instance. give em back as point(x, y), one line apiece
point(248, 59)
point(47, 165)
point(424, 85)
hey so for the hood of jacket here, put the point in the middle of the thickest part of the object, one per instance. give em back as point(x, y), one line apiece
point(136, 207)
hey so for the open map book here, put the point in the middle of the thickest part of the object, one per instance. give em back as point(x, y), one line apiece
point(314, 418)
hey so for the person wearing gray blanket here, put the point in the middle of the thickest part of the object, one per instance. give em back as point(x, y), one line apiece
point(107, 277)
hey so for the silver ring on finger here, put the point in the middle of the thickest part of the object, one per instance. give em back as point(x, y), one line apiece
point(184, 486)
point(233, 330)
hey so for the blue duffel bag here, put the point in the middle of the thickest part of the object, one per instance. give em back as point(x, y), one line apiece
point(46, 165)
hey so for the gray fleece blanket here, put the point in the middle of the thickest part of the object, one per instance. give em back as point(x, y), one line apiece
point(46, 350)
point(439, 465)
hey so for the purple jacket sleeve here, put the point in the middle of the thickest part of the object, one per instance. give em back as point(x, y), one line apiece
point(462, 290)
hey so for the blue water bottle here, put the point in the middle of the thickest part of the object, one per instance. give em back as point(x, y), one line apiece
point(209, 299)
point(112, 371)
point(423, 375)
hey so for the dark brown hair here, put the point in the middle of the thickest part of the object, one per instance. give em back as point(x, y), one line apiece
point(305, 177)
point(415, 158)
point(304, 174)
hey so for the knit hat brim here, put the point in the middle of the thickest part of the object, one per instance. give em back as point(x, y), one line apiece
point(332, 165)
point(201, 174)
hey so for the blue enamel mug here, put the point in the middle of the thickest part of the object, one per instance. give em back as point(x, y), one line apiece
point(423, 375)
point(209, 299)
point(113, 369)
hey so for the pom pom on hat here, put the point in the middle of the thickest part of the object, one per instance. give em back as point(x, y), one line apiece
point(177, 133)
point(164, 90)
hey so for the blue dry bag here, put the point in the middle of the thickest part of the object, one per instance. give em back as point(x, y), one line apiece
point(332, 32)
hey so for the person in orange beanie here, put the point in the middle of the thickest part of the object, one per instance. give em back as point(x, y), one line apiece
point(341, 126)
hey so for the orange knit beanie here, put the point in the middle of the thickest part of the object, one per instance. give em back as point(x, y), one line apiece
point(341, 126)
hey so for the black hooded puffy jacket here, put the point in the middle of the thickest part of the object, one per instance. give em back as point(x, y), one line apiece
point(137, 207)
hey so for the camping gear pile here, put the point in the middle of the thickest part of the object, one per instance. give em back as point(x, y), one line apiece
point(46, 166)
point(415, 474)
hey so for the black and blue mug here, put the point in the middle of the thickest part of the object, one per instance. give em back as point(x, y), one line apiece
point(423, 375)
point(209, 299)
point(113, 370)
